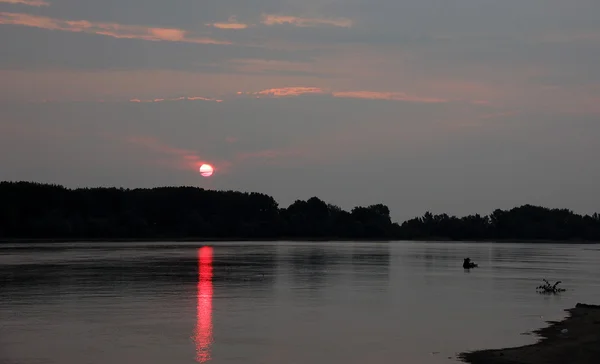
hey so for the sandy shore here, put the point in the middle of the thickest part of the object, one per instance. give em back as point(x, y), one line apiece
point(580, 344)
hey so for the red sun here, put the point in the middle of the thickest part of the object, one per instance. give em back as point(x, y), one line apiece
point(206, 170)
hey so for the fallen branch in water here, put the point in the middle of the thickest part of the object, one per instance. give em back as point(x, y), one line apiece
point(550, 288)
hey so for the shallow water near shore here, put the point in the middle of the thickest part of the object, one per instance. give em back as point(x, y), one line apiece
point(280, 302)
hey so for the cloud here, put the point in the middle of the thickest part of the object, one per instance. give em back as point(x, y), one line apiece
point(231, 139)
point(297, 91)
point(276, 67)
point(187, 159)
point(37, 3)
point(19, 130)
point(564, 37)
point(177, 158)
point(289, 91)
point(294, 91)
point(395, 96)
point(113, 30)
point(182, 98)
point(272, 156)
point(273, 19)
point(368, 95)
point(231, 23)
point(500, 114)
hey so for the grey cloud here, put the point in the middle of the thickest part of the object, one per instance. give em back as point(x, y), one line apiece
point(532, 60)
point(258, 123)
point(65, 50)
point(442, 34)
point(472, 16)
point(189, 14)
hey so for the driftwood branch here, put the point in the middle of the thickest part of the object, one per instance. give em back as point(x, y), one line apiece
point(550, 288)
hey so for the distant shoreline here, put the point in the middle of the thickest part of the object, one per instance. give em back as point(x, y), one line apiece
point(574, 340)
point(280, 239)
point(52, 212)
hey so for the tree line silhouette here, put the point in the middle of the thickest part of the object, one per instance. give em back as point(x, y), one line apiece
point(43, 211)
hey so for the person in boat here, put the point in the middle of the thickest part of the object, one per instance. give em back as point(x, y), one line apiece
point(468, 263)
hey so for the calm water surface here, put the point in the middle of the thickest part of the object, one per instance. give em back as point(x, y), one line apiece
point(276, 303)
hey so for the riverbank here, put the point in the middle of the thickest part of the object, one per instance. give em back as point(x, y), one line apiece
point(579, 344)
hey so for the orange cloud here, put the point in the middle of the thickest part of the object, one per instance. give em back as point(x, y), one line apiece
point(289, 91)
point(182, 98)
point(27, 2)
point(107, 29)
point(231, 23)
point(273, 19)
point(396, 96)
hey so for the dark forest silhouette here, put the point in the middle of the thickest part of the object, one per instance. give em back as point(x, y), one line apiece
point(42, 211)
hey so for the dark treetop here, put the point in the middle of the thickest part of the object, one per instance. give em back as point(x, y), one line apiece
point(33, 210)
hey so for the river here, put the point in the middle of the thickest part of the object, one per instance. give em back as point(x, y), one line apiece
point(280, 302)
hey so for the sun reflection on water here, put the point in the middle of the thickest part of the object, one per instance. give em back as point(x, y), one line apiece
point(203, 335)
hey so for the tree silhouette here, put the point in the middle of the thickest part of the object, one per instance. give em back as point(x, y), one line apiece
point(43, 211)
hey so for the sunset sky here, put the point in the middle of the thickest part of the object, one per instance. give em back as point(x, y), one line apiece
point(457, 106)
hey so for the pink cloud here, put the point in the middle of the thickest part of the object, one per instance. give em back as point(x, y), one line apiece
point(37, 3)
point(274, 19)
point(231, 24)
point(113, 30)
point(294, 91)
point(369, 95)
point(395, 96)
point(193, 98)
point(174, 35)
point(182, 98)
point(289, 91)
